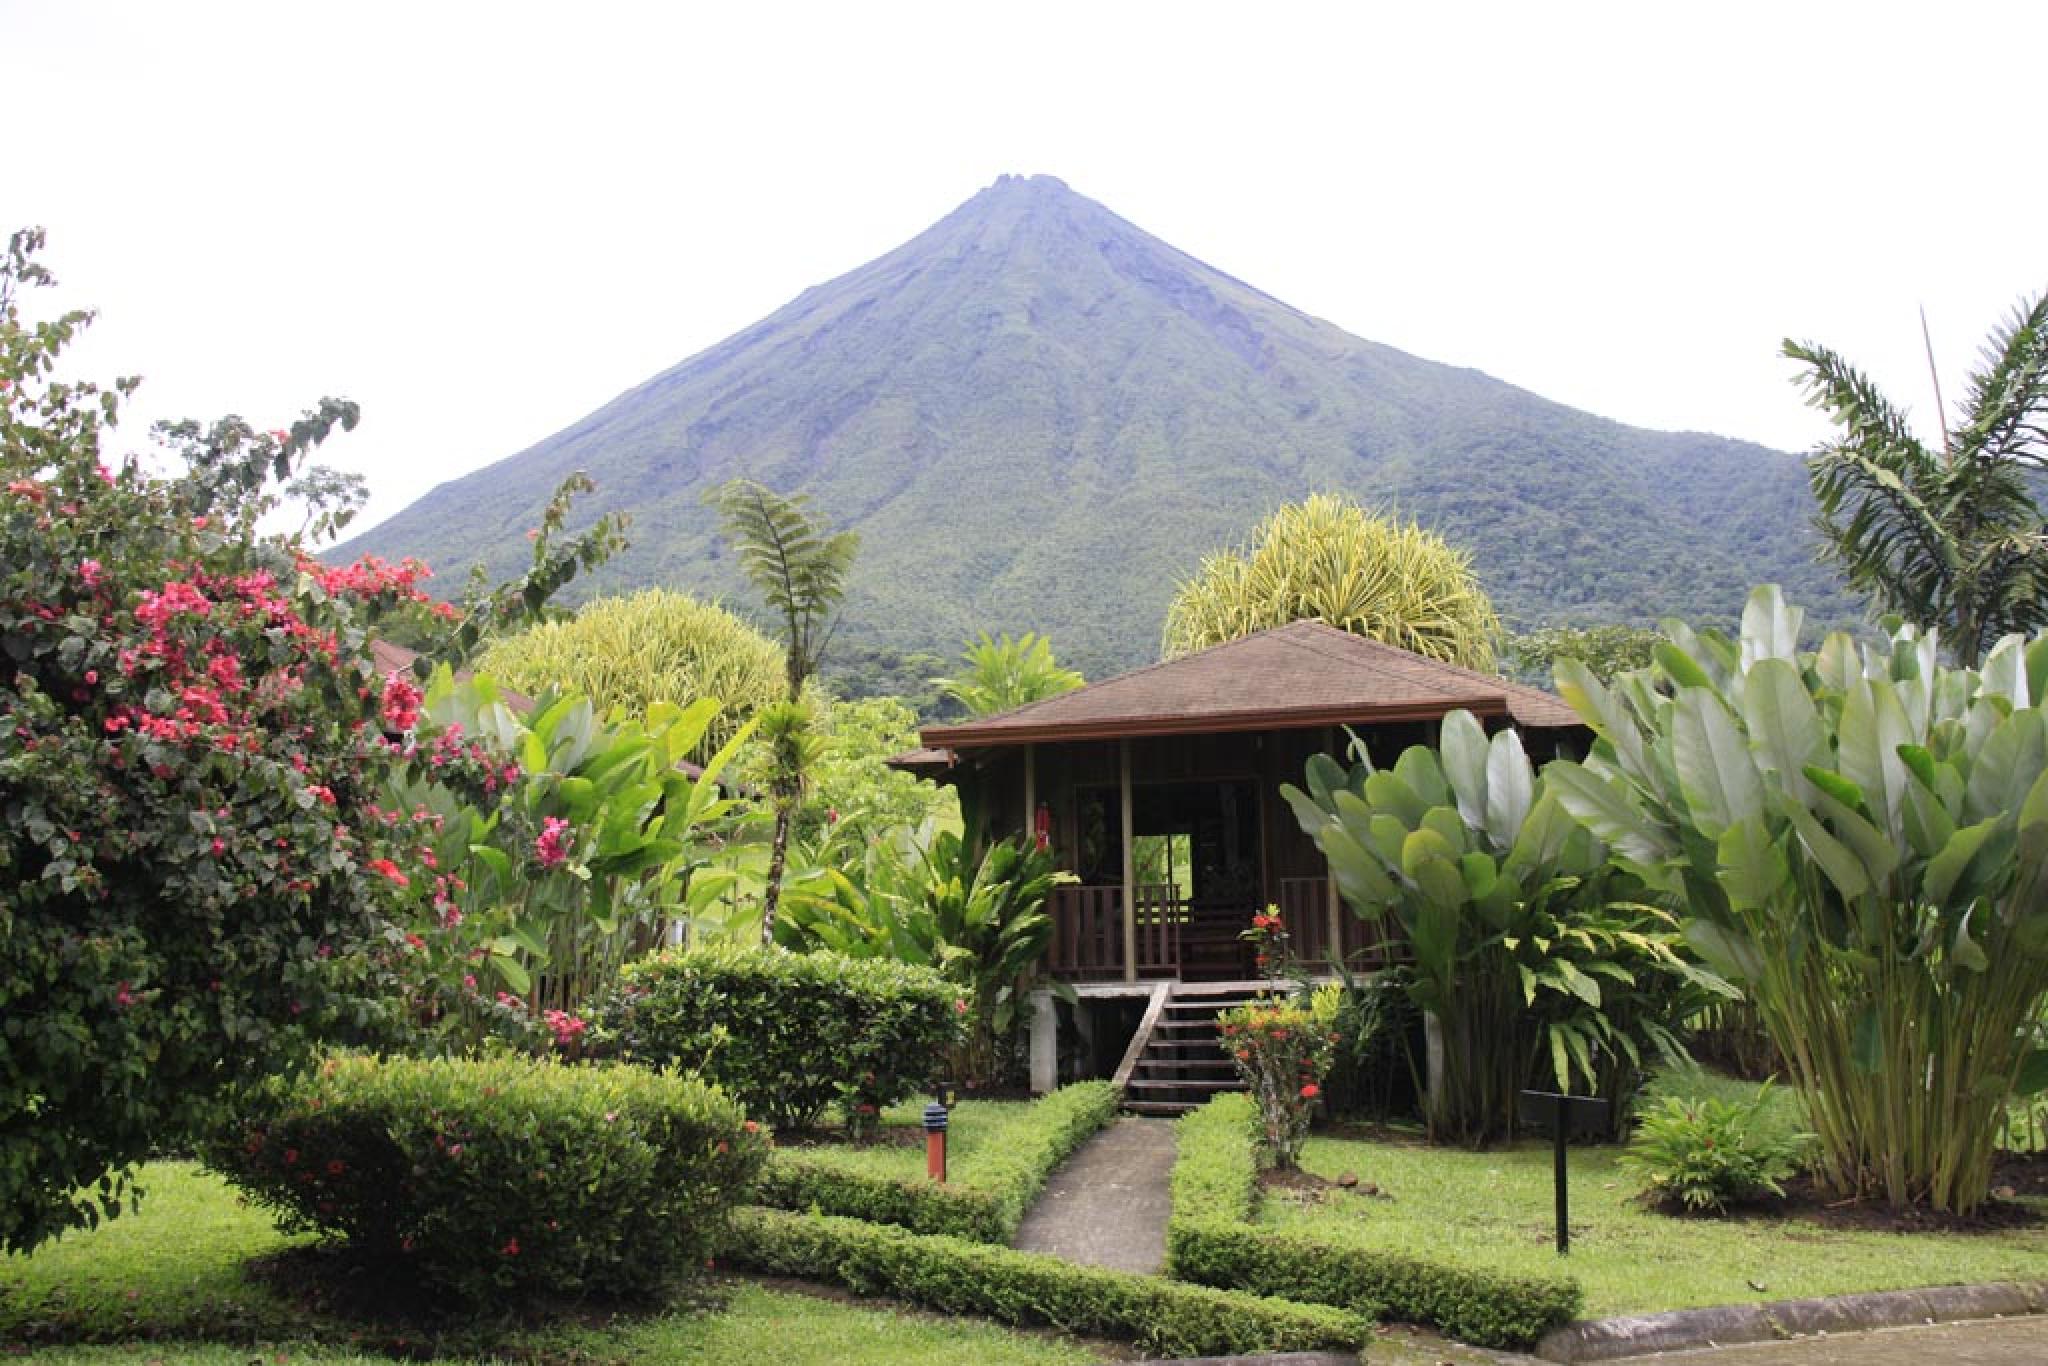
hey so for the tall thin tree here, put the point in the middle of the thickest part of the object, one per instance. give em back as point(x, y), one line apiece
point(1950, 539)
point(799, 565)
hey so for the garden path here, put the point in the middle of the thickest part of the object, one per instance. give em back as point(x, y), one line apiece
point(1984, 1342)
point(1107, 1205)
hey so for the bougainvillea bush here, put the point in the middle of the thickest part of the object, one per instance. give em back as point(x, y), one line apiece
point(190, 719)
point(787, 1033)
point(483, 1179)
point(195, 883)
point(1282, 1052)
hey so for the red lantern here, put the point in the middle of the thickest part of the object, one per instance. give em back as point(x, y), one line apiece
point(1043, 826)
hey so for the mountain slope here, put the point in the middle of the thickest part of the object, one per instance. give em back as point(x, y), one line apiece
point(1039, 416)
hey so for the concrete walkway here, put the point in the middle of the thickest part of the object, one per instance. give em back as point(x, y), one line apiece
point(1107, 1205)
point(1988, 1342)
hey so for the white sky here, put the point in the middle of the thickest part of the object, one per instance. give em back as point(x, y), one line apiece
point(483, 221)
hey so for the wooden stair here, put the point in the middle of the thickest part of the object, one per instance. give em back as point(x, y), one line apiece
point(1176, 1060)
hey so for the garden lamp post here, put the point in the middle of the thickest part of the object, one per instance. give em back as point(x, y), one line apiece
point(935, 1142)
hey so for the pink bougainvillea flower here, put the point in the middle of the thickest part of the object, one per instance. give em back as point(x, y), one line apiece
point(90, 572)
point(550, 845)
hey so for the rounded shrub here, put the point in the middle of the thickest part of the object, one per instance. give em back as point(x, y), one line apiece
point(487, 1178)
point(787, 1033)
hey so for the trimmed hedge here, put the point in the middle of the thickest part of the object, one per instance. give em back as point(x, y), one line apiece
point(986, 1208)
point(788, 1033)
point(507, 1176)
point(1211, 1240)
point(950, 1274)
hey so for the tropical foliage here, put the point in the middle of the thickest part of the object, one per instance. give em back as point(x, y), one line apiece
point(1530, 950)
point(1860, 836)
point(653, 646)
point(799, 567)
point(1328, 559)
point(1002, 675)
point(1708, 1152)
point(931, 898)
point(1951, 540)
point(1606, 650)
point(560, 846)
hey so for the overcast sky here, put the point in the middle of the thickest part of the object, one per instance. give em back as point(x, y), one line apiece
point(483, 221)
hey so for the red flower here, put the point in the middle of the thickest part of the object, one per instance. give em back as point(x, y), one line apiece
point(959, 1005)
point(336, 1167)
point(1311, 1091)
point(511, 1248)
point(384, 867)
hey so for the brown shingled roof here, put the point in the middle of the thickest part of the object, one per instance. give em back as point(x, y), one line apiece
point(1301, 674)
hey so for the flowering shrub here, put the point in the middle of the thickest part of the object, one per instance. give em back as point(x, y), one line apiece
point(198, 883)
point(486, 1179)
point(786, 1033)
point(191, 725)
point(1269, 939)
point(1704, 1155)
point(1282, 1052)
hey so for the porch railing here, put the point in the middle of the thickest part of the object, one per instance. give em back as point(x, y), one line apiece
point(1088, 931)
point(1361, 945)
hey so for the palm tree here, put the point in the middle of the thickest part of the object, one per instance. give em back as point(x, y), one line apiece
point(1005, 674)
point(800, 568)
point(1951, 540)
point(1328, 559)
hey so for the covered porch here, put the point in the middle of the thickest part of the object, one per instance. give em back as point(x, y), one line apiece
point(1159, 792)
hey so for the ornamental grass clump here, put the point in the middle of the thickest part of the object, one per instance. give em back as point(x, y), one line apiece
point(1282, 1052)
point(486, 1179)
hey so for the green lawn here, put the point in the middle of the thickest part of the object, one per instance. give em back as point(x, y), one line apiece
point(172, 1274)
point(1494, 1209)
point(979, 1136)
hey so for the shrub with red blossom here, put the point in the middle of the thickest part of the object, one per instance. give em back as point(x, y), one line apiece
point(1282, 1052)
point(195, 887)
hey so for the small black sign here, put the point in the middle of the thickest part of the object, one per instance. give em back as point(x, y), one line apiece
point(1566, 1117)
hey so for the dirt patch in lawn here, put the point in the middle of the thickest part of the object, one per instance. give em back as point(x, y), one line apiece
point(1806, 1203)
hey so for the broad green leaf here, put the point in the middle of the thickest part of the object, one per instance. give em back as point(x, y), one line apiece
point(1946, 868)
point(1784, 727)
point(1836, 860)
point(1752, 867)
point(1770, 627)
point(1715, 773)
point(1464, 754)
point(1510, 788)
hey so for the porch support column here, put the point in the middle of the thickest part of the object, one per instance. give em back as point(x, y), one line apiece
point(1123, 767)
point(1045, 1043)
point(1030, 791)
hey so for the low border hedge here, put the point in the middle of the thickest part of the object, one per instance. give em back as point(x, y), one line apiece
point(951, 1274)
point(1211, 1240)
point(987, 1208)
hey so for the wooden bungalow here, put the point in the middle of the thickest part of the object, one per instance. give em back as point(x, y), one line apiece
point(1159, 790)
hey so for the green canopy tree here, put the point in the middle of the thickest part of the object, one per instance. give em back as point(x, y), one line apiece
point(1002, 675)
point(1328, 559)
point(1951, 540)
point(654, 646)
point(799, 567)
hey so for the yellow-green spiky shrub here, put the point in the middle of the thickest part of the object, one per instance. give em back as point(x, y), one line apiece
point(1328, 559)
point(653, 646)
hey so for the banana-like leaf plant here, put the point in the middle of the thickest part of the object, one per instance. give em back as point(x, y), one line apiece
point(927, 898)
point(1859, 837)
point(1530, 952)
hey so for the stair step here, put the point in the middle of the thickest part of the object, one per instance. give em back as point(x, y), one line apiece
point(1185, 1084)
point(1161, 1107)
